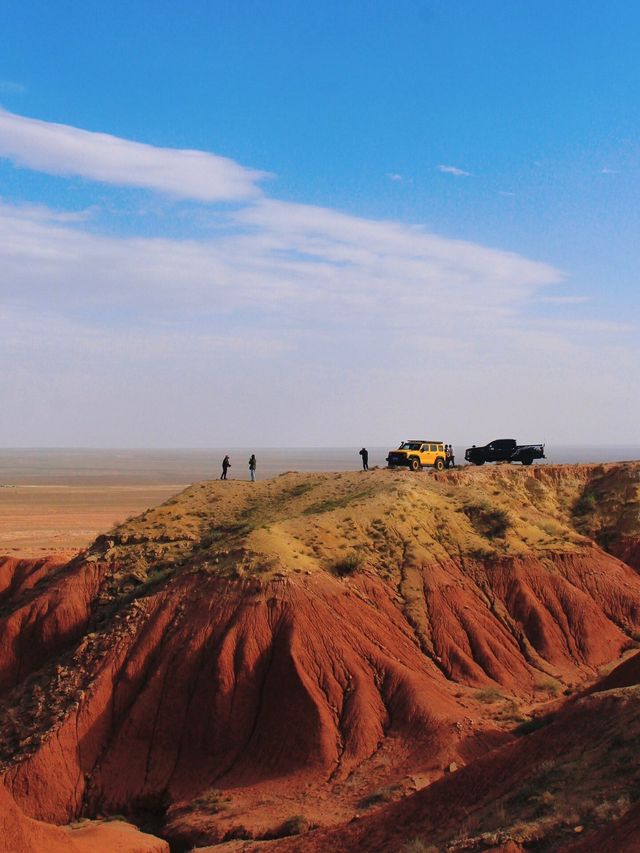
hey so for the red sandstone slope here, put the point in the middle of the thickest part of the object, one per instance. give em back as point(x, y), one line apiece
point(18, 575)
point(20, 834)
point(576, 778)
point(42, 619)
point(244, 654)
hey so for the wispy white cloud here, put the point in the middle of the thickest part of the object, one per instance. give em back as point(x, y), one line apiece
point(505, 193)
point(454, 170)
point(59, 149)
point(274, 257)
point(394, 176)
point(300, 303)
point(607, 171)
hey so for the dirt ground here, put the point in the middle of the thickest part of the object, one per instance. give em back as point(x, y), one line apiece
point(37, 520)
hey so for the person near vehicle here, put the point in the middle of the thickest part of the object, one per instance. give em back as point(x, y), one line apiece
point(447, 456)
point(226, 464)
point(365, 458)
point(452, 458)
point(252, 467)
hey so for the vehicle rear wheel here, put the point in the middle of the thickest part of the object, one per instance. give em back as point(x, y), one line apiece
point(414, 464)
point(439, 464)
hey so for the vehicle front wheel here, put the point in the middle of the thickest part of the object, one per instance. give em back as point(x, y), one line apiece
point(439, 464)
point(478, 461)
point(414, 464)
point(527, 460)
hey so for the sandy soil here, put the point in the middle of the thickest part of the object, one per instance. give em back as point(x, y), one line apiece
point(36, 520)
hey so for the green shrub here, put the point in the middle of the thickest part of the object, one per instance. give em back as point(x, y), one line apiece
point(534, 724)
point(488, 521)
point(347, 565)
point(585, 504)
point(489, 694)
point(382, 795)
point(296, 825)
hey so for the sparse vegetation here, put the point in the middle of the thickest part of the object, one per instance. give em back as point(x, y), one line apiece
point(296, 825)
point(489, 521)
point(299, 490)
point(533, 724)
point(549, 686)
point(212, 801)
point(586, 504)
point(489, 695)
point(330, 504)
point(382, 795)
point(348, 564)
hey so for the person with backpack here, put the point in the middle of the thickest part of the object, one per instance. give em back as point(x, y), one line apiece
point(252, 467)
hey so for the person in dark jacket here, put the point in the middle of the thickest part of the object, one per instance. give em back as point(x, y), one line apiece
point(252, 467)
point(365, 458)
point(225, 465)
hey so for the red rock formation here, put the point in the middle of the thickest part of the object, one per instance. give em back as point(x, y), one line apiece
point(157, 670)
point(18, 575)
point(43, 621)
point(20, 834)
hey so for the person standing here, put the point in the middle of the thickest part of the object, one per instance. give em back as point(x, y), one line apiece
point(365, 458)
point(225, 465)
point(452, 458)
point(447, 456)
point(252, 467)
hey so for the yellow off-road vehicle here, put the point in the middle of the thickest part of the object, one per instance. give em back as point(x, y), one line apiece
point(417, 454)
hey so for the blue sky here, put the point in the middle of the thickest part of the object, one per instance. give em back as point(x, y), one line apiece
point(414, 216)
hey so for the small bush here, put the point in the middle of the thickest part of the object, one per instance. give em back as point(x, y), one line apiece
point(489, 694)
point(382, 795)
point(491, 522)
point(548, 686)
point(534, 724)
point(586, 504)
point(297, 491)
point(347, 565)
point(296, 825)
point(330, 504)
point(238, 833)
point(212, 801)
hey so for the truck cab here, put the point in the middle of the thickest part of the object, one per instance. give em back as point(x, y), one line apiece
point(418, 453)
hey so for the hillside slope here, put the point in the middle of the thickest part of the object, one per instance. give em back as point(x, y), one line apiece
point(572, 785)
point(311, 645)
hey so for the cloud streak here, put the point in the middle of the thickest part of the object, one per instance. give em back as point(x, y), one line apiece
point(306, 306)
point(60, 149)
point(454, 170)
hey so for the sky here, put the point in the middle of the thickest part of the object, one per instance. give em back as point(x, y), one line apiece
point(289, 224)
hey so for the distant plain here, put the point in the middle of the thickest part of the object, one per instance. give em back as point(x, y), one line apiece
point(55, 501)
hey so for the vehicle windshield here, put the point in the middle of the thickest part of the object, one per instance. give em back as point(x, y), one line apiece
point(410, 445)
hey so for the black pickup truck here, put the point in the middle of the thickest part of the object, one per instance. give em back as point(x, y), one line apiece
point(504, 450)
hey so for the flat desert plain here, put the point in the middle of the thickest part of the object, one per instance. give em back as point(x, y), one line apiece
point(61, 520)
